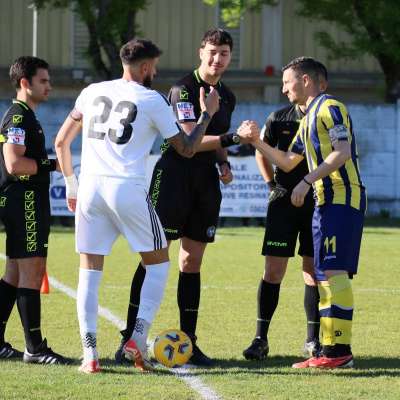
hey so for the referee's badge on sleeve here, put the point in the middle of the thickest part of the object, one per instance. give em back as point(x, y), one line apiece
point(185, 111)
point(16, 136)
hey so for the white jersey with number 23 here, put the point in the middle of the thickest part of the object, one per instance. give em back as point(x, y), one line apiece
point(121, 120)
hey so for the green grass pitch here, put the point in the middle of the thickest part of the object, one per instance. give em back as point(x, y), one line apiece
point(231, 271)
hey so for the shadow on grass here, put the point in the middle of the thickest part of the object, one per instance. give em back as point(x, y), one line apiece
point(109, 366)
point(281, 365)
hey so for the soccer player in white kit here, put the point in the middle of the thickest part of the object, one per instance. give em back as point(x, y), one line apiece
point(120, 120)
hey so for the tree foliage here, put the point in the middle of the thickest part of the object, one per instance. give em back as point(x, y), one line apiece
point(110, 23)
point(233, 10)
point(373, 27)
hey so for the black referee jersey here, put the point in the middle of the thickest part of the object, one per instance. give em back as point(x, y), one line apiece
point(20, 123)
point(184, 98)
point(278, 131)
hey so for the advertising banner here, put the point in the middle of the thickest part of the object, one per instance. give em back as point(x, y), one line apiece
point(246, 196)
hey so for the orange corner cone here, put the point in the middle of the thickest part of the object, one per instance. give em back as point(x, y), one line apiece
point(45, 288)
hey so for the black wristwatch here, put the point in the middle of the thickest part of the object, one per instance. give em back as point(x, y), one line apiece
point(236, 138)
point(229, 139)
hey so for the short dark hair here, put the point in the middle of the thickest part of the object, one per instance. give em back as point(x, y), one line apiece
point(309, 66)
point(322, 71)
point(217, 37)
point(25, 67)
point(137, 50)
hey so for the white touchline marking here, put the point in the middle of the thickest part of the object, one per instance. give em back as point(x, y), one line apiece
point(183, 373)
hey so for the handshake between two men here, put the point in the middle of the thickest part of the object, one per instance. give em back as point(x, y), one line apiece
point(249, 132)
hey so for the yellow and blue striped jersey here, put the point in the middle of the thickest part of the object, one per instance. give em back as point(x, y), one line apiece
point(325, 122)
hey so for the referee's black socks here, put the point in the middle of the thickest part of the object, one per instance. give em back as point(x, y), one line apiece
point(8, 295)
point(188, 301)
point(267, 301)
point(134, 300)
point(28, 302)
point(311, 300)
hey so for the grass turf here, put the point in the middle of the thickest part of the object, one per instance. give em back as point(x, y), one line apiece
point(231, 271)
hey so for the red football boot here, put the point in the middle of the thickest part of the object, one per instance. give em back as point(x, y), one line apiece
point(335, 362)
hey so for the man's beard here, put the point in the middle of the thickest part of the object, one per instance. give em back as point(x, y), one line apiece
point(147, 81)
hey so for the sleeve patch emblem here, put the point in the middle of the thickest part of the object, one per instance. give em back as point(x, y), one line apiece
point(16, 136)
point(17, 119)
point(185, 111)
point(184, 94)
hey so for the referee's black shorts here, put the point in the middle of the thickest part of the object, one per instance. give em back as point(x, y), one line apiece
point(284, 224)
point(25, 212)
point(186, 197)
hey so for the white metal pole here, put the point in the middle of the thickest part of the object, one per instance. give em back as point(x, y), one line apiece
point(34, 29)
point(34, 33)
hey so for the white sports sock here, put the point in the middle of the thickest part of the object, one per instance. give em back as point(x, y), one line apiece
point(89, 344)
point(87, 307)
point(140, 334)
point(152, 290)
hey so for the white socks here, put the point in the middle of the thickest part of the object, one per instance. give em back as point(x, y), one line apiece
point(87, 306)
point(150, 299)
point(140, 334)
point(152, 290)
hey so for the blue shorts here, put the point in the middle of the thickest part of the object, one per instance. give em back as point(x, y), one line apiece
point(337, 231)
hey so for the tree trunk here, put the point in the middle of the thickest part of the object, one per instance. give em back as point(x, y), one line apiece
point(392, 88)
point(392, 78)
point(85, 12)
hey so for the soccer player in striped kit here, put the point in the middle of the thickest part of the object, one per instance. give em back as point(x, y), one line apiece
point(326, 140)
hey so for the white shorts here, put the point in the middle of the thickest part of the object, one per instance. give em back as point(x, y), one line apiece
point(109, 206)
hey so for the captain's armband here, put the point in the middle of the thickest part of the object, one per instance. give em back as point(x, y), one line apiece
point(338, 132)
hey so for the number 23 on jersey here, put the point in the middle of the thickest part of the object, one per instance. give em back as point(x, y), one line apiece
point(121, 134)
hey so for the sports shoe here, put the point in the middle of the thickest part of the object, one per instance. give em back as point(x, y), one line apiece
point(44, 355)
point(8, 352)
point(303, 364)
point(132, 352)
point(258, 350)
point(335, 362)
point(119, 354)
point(90, 367)
point(312, 348)
point(199, 358)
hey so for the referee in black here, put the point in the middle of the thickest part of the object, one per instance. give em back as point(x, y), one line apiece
point(284, 224)
point(25, 209)
point(186, 192)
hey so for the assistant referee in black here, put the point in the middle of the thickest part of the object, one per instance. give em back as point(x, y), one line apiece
point(25, 209)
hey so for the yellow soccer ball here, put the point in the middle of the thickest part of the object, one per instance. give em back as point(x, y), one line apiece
point(172, 348)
